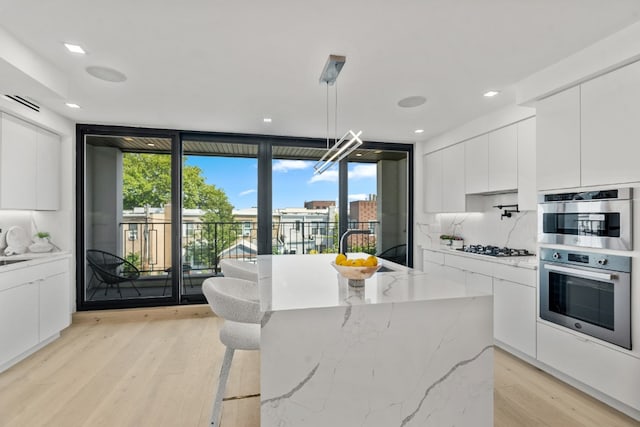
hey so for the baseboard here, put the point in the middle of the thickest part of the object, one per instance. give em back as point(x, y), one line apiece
point(143, 314)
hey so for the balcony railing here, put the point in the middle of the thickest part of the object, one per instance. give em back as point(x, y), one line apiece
point(148, 244)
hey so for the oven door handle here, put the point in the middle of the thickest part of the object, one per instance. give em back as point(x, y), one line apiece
point(582, 273)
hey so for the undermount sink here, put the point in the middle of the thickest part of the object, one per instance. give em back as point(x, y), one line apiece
point(10, 261)
point(384, 269)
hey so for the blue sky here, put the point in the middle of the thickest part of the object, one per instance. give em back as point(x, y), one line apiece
point(293, 180)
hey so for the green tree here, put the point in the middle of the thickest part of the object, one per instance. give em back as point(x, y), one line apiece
point(147, 181)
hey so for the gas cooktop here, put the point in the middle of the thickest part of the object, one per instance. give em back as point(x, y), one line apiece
point(494, 251)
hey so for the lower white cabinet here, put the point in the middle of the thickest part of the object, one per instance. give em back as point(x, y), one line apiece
point(514, 294)
point(606, 370)
point(54, 311)
point(514, 315)
point(34, 306)
point(18, 320)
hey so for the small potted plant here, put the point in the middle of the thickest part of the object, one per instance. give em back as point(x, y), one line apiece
point(42, 237)
point(450, 241)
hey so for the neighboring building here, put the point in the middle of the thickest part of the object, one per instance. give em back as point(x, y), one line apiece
point(319, 204)
point(364, 213)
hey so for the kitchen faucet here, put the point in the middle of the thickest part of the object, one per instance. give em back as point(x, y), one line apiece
point(347, 234)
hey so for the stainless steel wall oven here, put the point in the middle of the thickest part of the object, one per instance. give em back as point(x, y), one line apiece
point(596, 219)
point(587, 292)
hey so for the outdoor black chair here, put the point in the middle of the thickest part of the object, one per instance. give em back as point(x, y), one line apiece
point(397, 254)
point(186, 269)
point(111, 270)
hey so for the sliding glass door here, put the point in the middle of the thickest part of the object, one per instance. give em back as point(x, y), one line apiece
point(158, 209)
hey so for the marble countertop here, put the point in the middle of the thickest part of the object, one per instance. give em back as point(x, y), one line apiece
point(294, 282)
point(30, 259)
point(530, 262)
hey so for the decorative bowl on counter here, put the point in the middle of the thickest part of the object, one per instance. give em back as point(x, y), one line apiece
point(356, 275)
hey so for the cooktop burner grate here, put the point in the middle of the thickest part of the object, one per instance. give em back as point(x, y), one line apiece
point(495, 251)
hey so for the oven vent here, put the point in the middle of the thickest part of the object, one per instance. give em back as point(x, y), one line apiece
point(25, 102)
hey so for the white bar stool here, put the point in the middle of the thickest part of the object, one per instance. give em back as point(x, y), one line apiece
point(239, 269)
point(236, 301)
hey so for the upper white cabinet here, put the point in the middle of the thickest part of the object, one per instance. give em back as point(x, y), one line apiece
point(503, 159)
point(527, 194)
point(47, 171)
point(476, 164)
point(433, 182)
point(558, 140)
point(453, 177)
point(17, 164)
point(611, 127)
point(29, 166)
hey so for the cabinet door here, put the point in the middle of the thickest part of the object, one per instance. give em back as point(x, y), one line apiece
point(503, 159)
point(433, 182)
point(514, 315)
point(610, 127)
point(476, 164)
point(48, 171)
point(608, 371)
point(479, 282)
point(453, 194)
point(18, 320)
point(17, 164)
point(558, 140)
point(527, 195)
point(54, 305)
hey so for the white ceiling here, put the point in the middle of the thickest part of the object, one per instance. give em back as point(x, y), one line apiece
point(224, 65)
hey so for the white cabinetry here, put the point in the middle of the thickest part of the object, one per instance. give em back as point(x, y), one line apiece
point(17, 164)
point(558, 140)
point(29, 166)
point(514, 295)
point(47, 171)
point(527, 194)
point(34, 307)
point(610, 108)
point(476, 164)
point(453, 194)
point(514, 315)
point(18, 320)
point(433, 182)
point(503, 159)
point(606, 370)
point(445, 182)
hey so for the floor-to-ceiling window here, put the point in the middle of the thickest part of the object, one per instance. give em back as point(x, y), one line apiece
point(171, 204)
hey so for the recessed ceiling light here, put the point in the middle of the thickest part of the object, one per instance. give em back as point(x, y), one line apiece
point(126, 138)
point(378, 151)
point(74, 48)
point(491, 93)
point(267, 120)
point(358, 154)
point(412, 101)
point(418, 131)
point(151, 144)
point(106, 74)
point(71, 105)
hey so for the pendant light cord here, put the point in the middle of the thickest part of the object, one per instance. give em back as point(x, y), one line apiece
point(335, 121)
point(327, 115)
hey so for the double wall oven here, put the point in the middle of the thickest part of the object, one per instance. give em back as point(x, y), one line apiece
point(587, 291)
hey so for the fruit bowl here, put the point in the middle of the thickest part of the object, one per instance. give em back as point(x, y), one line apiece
point(356, 275)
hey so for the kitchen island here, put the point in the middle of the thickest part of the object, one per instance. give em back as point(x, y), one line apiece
point(407, 349)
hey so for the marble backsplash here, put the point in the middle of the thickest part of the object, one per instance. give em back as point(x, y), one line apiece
point(485, 228)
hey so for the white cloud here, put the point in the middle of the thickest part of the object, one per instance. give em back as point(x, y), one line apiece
point(287, 165)
point(328, 176)
point(247, 192)
point(363, 171)
point(360, 196)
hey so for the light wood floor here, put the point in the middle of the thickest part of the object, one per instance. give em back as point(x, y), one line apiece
point(158, 367)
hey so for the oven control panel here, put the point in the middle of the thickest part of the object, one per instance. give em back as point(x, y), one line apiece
point(587, 259)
